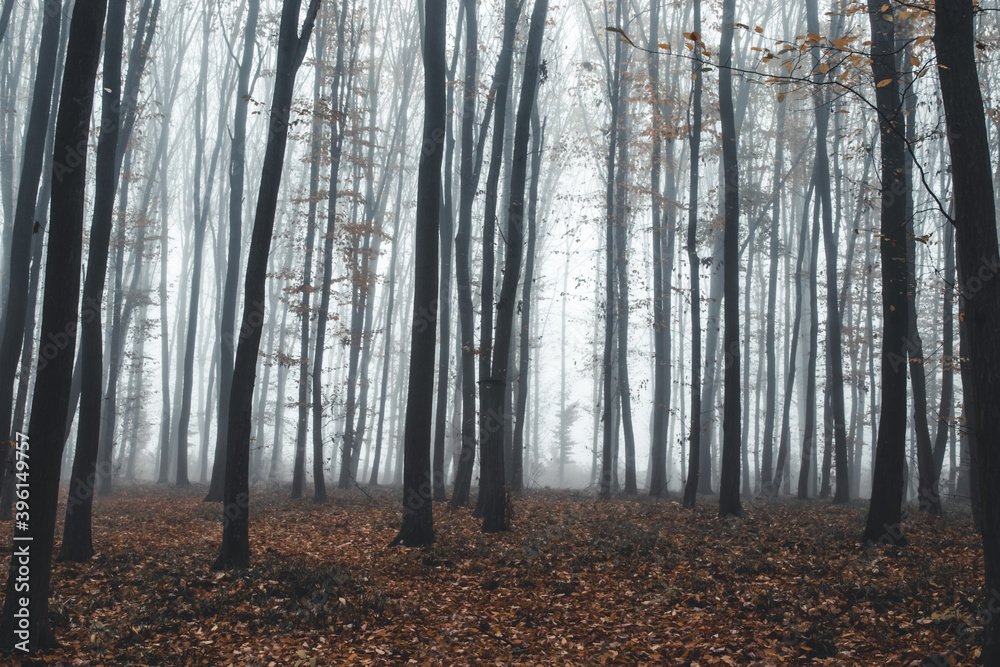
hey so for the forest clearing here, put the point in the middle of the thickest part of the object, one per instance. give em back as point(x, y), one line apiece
point(575, 581)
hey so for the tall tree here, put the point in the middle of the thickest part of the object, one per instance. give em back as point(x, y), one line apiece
point(492, 486)
point(978, 260)
point(292, 45)
point(729, 485)
point(20, 298)
point(315, 143)
point(835, 356)
point(470, 167)
point(694, 265)
point(417, 527)
point(17, 269)
point(537, 138)
point(500, 94)
point(661, 371)
point(50, 402)
point(885, 511)
point(609, 431)
point(227, 325)
point(76, 543)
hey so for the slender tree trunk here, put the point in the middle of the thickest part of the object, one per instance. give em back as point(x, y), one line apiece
point(467, 193)
point(237, 163)
point(608, 461)
point(76, 544)
point(694, 264)
point(46, 428)
point(492, 487)
point(537, 139)
point(729, 484)
point(885, 512)
point(417, 527)
point(235, 550)
point(16, 312)
point(806, 483)
point(500, 91)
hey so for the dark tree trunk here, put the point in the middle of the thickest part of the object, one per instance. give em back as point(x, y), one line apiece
point(834, 353)
point(622, 227)
point(20, 300)
point(470, 178)
point(809, 448)
point(492, 486)
point(928, 493)
point(729, 484)
point(235, 550)
point(885, 512)
point(784, 436)
point(307, 288)
point(49, 410)
point(694, 264)
point(537, 138)
point(978, 259)
point(609, 425)
point(237, 161)
point(76, 544)
point(339, 94)
point(446, 240)
point(500, 94)
point(661, 359)
point(417, 527)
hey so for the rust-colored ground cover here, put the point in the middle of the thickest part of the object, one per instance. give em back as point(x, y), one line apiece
point(577, 581)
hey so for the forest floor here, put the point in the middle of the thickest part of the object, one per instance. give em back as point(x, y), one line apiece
point(576, 581)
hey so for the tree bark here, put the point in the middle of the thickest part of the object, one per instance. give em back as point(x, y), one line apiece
point(46, 428)
point(492, 486)
point(885, 514)
point(694, 264)
point(729, 484)
point(235, 550)
point(417, 527)
point(978, 260)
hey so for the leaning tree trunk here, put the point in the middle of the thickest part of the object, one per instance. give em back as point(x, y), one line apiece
point(46, 427)
point(978, 260)
point(16, 309)
point(517, 475)
point(237, 162)
point(834, 353)
point(235, 550)
point(609, 429)
point(76, 545)
point(500, 91)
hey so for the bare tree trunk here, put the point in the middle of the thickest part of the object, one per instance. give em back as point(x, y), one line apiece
point(46, 428)
point(729, 484)
point(537, 139)
point(492, 487)
point(237, 163)
point(417, 527)
point(978, 259)
point(76, 544)
point(235, 550)
point(694, 264)
point(885, 512)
